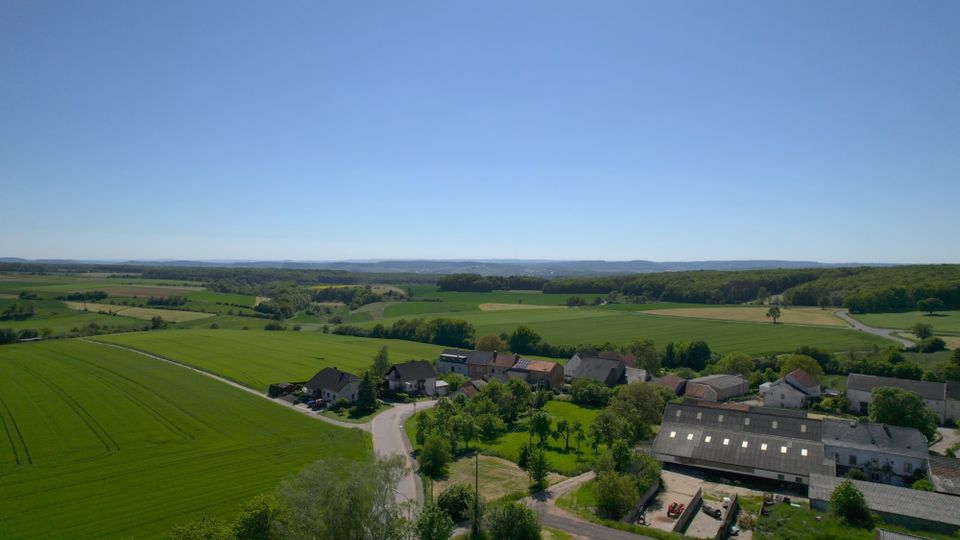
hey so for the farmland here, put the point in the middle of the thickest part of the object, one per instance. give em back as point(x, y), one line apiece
point(943, 322)
point(257, 359)
point(100, 442)
point(56, 316)
point(599, 325)
point(801, 315)
point(170, 315)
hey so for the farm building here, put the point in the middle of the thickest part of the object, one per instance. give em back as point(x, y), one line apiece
point(907, 507)
point(889, 454)
point(413, 377)
point(671, 382)
point(331, 384)
point(752, 441)
point(944, 473)
point(538, 372)
point(472, 387)
point(474, 364)
point(633, 375)
point(717, 387)
point(502, 362)
point(795, 391)
point(606, 371)
point(282, 389)
point(943, 398)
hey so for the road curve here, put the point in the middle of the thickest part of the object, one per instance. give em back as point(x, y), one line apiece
point(882, 332)
point(389, 438)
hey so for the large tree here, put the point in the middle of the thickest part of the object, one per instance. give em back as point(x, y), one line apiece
point(735, 363)
point(791, 362)
point(930, 305)
point(433, 524)
point(524, 341)
point(640, 404)
point(898, 407)
point(848, 504)
point(381, 364)
point(774, 313)
point(491, 342)
point(434, 456)
point(366, 394)
point(615, 494)
point(648, 357)
point(922, 330)
point(511, 521)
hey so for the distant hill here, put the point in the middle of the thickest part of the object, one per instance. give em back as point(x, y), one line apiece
point(486, 267)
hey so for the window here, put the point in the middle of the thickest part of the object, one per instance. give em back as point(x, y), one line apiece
point(743, 444)
point(673, 434)
point(774, 424)
point(907, 468)
point(799, 480)
point(779, 477)
point(707, 438)
point(783, 449)
point(803, 452)
point(726, 442)
point(763, 446)
point(853, 459)
point(783, 396)
point(689, 436)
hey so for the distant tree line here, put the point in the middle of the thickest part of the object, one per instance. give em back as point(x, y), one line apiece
point(84, 296)
point(478, 283)
point(166, 301)
point(355, 296)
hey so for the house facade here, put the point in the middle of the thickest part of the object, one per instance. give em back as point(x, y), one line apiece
point(888, 454)
point(538, 373)
point(331, 385)
point(795, 391)
point(942, 398)
point(413, 377)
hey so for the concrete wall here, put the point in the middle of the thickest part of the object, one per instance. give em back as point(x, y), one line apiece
point(451, 367)
point(842, 457)
point(689, 512)
point(856, 397)
point(784, 396)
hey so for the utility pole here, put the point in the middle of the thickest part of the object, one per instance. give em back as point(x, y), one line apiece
point(475, 523)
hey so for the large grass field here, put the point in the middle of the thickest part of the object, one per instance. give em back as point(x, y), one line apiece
point(55, 315)
point(428, 300)
point(599, 325)
point(944, 322)
point(257, 359)
point(103, 443)
point(143, 313)
point(788, 315)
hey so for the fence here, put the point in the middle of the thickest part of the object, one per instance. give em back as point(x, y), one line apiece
point(689, 512)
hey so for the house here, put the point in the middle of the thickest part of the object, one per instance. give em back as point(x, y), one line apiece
point(759, 442)
point(472, 387)
point(633, 375)
point(538, 372)
point(795, 391)
point(474, 364)
point(501, 363)
point(413, 377)
point(331, 385)
point(717, 387)
point(943, 398)
point(909, 508)
point(603, 370)
point(671, 382)
point(889, 454)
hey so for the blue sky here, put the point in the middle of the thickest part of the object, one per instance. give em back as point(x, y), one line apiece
point(565, 130)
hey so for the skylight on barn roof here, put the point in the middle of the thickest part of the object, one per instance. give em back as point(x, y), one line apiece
point(707, 439)
point(783, 449)
point(726, 442)
point(673, 434)
point(763, 446)
point(689, 436)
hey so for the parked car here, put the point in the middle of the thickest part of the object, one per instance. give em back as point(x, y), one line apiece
point(711, 511)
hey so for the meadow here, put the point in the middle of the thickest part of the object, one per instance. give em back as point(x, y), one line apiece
point(599, 325)
point(56, 316)
point(426, 299)
point(143, 313)
point(257, 359)
point(788, 315)
point(943, 322)
point(103, 443)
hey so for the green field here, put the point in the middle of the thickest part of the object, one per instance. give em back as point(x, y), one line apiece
point(508, 445)
point(944, 322)
point(100, 442)
point(451, 302)
point(55, 315)
point(257, 359)
point(599, 325)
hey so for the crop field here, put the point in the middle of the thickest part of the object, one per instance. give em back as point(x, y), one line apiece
point(944, 322)
point(258, 359)
point(212, 297)
point(598, 325)
point(428, 300)
point(56, 316)
point(169, 315)
point(100, 442)
point(120, 286)
point(801, 315)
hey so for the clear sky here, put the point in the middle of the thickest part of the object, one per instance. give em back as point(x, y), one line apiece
point(679, 130)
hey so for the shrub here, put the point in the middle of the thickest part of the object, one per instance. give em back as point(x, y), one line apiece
point(435, 456)
point(848, 504)
point(855, 474)
point(615, 494)
point(274, 327)
point(922, 485)
point(931, 345)
point(511, 521)
point(457, 501)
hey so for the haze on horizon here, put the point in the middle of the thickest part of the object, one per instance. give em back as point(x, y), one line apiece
point(661, 131)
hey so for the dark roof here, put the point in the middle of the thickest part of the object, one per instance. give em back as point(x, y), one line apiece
point(472, 387)
point(478, 358)
point(700, 441)
point(330, 378)
point(414, 370)
point(599, 369)
point(953, 390)
point(925, 505)
point(720, 381)
point(876, 437)
point(803, 378)
point(628, 359)
point(866, 383)
point(759, 420)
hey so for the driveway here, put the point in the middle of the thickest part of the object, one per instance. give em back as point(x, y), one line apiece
point(389, 439)
point(882, 332)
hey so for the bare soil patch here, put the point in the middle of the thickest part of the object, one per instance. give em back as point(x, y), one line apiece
point(510, 307)
point(789, 315)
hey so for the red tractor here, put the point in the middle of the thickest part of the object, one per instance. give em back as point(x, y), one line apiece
point(675, 509)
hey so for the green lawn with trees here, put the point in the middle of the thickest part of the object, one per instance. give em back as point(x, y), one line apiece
point(258, 359)
point(101, 442)
point(943, 322)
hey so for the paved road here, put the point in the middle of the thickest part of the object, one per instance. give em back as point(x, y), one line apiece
point(951, 436)
point(389, 438)
point(882, 332)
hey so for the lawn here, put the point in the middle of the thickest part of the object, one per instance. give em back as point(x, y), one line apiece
point(599, 325)
point(344, 415)
point(944, 322)
point(498, 477)
point(787, 522)
point(256, 358)
point(103, 443)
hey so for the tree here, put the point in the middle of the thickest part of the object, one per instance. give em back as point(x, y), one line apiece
point(524, 341)
point(615, 494)
point(898, 407)
point(791, 362)
point(608, 426)
point(930, 305)
point(433, 524)
point(511, 521)
point(538, 467)
point(922, 485)
point(922, 330)
point(457, 501)
point(640, 405)
point(466, 426)
point(540, 423)
point(931, 345)
point(346, 500)
point(491, 342)
point(156, 322)
point(259, 518)
point(647, 356)
point(579, 435)
point(951, 368)
point(366, 394)
point(735, 363)
point(424, 425)
point(563, 430)
point(381, 364)
point(848, 504)
point(762, 295)
point(434, 456)
point(205, 528)
point(774, 313)
point(589, 392)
